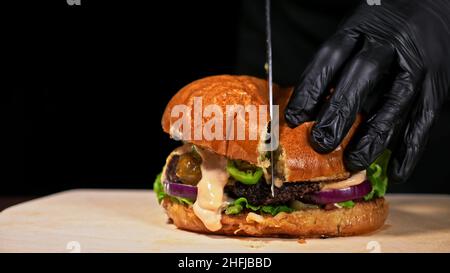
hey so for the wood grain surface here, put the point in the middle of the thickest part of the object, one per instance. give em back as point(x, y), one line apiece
point(132, 221)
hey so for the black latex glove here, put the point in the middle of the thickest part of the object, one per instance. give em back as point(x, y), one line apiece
point(407, 39)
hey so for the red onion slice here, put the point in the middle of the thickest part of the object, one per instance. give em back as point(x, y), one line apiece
point(180, 190)
point(341, 195)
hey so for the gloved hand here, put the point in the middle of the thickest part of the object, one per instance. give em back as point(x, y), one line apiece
point(407, 39)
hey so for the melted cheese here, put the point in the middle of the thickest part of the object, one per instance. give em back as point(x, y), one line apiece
point(210, 196)
point(353, 180)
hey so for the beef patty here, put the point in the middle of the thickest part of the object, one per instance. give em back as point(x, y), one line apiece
point(260, 193)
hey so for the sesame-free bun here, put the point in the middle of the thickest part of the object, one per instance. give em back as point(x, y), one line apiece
point(298, 161)
point(222, 90)
point(364, 217)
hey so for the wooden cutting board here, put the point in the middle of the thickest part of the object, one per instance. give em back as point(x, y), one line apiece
point(132, 221)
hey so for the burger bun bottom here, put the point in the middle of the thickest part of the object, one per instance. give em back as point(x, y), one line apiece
point(364, 217)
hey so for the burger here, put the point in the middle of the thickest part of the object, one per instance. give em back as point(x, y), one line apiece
point(223, 185)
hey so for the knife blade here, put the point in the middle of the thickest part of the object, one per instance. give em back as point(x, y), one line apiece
point(270, 87)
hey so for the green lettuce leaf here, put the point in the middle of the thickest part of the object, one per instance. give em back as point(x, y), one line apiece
point(347, 204)
point(239, 204)
point(182, 200)
point(158, 188)
point(377, 175)
point(274, 210)
point(160, 194)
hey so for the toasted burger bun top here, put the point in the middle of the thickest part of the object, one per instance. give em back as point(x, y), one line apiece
point(222, 90)
point(298, 161)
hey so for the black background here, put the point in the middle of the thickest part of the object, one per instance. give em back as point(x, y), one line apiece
point(90, 83)
point(85, 86)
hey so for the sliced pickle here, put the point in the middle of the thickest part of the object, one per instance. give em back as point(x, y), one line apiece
point(188, 169)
